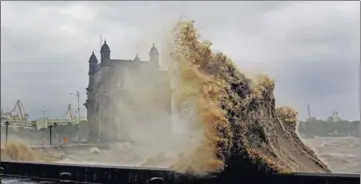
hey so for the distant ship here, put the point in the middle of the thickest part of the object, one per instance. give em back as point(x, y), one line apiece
point(334, 126)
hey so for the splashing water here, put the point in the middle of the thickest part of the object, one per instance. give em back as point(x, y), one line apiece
point(237, 113)
point(19, 151)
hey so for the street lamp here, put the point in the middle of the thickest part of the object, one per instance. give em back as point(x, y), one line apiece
point(6, 133)
point(77, 95)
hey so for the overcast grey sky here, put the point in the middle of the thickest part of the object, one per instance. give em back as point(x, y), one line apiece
point(312, 49)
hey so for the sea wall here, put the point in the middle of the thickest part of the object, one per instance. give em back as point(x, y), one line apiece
point(322, 128)
point(42, 136)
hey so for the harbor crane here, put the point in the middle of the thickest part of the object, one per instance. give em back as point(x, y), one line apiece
point(20, 116)
point(70, 112)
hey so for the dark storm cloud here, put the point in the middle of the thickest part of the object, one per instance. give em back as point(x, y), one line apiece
point(326, 85)
point(314, 80)
point(310, 48)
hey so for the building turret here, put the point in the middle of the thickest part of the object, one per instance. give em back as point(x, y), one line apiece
point(93, 67)
point(93, 64)
point(90, 102)
point(104, 53)
point(154, 56)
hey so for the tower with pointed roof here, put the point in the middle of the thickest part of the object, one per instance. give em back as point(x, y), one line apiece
point(93, 67)
point(108, 79)
point(104, 53)
point(89, 104)
point(154, 56)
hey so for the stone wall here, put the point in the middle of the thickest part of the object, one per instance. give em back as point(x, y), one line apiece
point(33, 137)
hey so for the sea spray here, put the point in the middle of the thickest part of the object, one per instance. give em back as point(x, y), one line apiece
point(201, 92)
point(19, 151)
point(237, 113)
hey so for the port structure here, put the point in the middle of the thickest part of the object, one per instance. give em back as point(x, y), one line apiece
point(18, 118)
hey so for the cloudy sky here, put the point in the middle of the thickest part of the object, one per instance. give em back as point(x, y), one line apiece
point(311, 49)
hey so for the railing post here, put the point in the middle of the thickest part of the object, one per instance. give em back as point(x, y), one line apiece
point(50, 129)
point(54, 127)
point(6, 133)
point(78, 132)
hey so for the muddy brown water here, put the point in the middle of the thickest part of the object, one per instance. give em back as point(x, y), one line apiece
point(342, 155)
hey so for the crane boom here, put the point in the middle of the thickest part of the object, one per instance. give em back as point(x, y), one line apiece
point(21, 115)
point(20, 110)
point(70, 112)
point(22, 106)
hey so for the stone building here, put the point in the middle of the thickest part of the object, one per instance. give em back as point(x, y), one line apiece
point(123, 95)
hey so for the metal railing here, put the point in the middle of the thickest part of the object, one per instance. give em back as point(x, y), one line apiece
point(30, 132)
point(73, 173)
